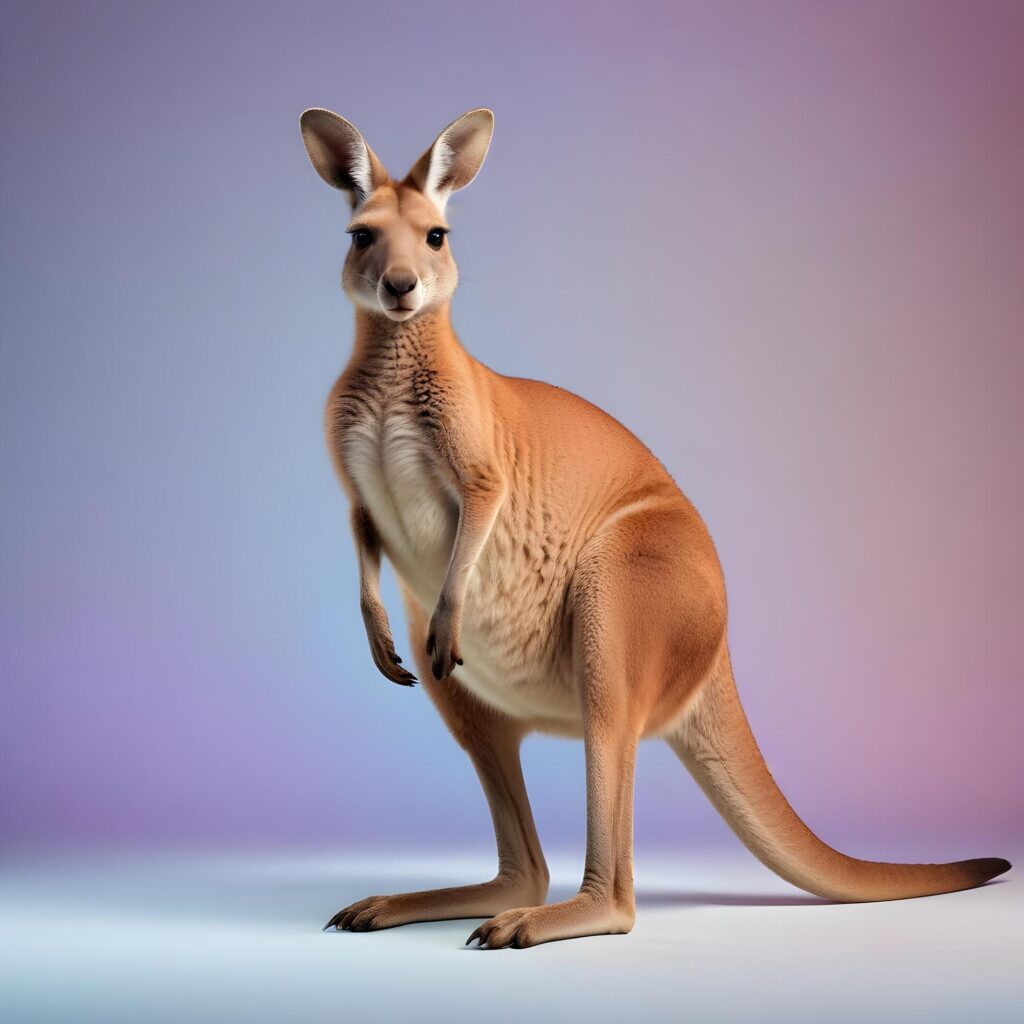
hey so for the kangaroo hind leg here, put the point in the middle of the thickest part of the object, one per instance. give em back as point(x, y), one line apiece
point(618, 598)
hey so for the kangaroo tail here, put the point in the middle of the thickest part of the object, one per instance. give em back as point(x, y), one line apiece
point(715, 743)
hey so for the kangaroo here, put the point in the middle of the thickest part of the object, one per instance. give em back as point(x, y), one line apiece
point(554, 578)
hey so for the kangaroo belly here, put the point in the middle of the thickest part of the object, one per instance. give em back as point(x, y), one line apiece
point(515, 635)
point(544, 693)
point(513, 623)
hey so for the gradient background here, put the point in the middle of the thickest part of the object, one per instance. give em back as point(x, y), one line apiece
point(798, 229)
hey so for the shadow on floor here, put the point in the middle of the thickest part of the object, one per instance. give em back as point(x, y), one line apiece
point(652, 898)
point(645, 898)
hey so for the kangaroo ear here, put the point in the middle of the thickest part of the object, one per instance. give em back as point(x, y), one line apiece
point(340, 155)
point(454, 159)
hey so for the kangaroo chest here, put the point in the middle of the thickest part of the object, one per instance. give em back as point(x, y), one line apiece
point(388, 454)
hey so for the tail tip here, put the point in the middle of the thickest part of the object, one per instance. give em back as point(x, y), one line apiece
point(992, 867)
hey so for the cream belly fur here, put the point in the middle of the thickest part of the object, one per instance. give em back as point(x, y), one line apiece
point(555, 578)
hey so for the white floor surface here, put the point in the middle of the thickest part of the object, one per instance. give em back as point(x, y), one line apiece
point(208, 939)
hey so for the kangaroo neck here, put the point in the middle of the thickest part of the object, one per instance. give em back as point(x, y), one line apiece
point(426, 339)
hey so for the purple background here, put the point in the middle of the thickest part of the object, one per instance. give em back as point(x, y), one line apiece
point(782, 242)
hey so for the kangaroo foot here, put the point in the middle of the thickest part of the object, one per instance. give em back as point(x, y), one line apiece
point(481, 900)
point(529, 926)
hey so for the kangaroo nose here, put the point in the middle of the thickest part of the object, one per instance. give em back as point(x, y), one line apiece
point(399, 284)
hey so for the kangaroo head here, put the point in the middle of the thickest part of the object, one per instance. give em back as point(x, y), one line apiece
point(399, 262)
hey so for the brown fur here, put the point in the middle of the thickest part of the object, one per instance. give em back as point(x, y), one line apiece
point(554, 578)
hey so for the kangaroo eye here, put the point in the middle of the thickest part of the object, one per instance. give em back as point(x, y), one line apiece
point(361, 238)
point(435, 237)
